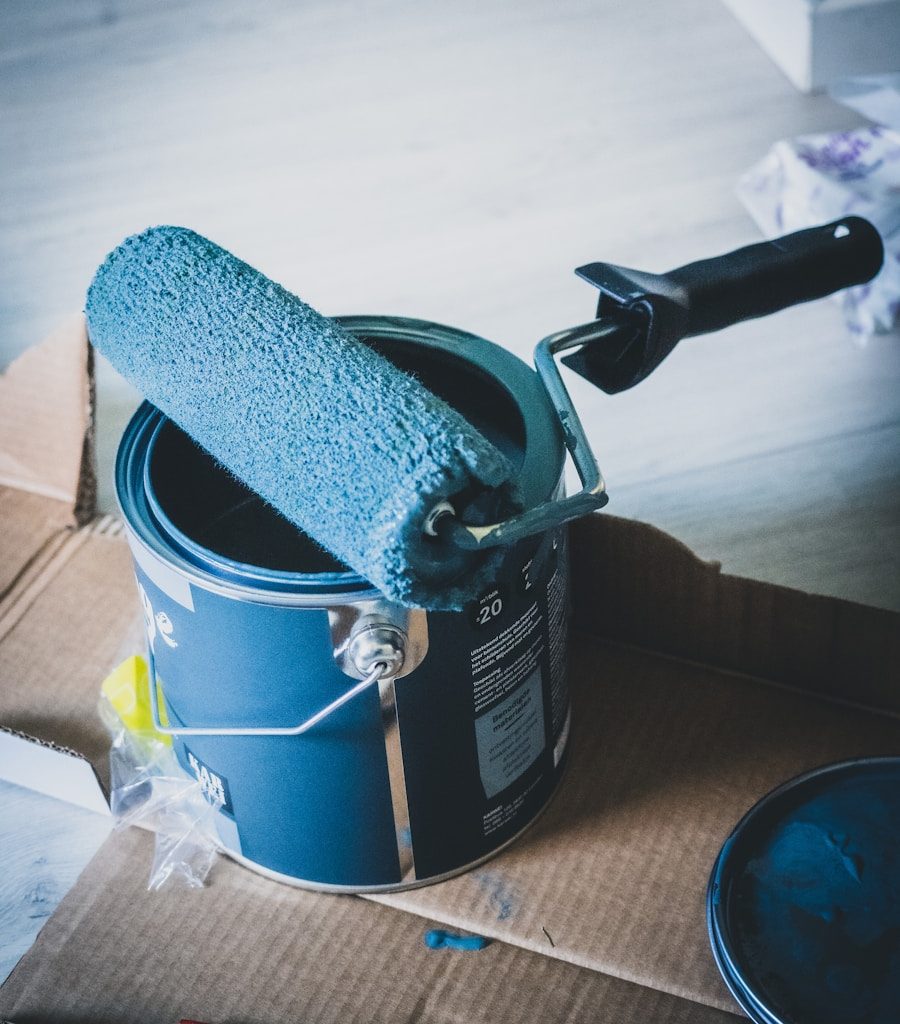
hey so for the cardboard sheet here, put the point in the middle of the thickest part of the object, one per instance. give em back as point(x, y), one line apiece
point(47, 478)
point(637, 585)
point(59, 641)
point(667, 756)
point(694, 694)
point(249, 951)
point(46, 420)
point(32, 527)
point(52, 771)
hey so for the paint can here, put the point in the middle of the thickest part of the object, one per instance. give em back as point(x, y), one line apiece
point(803, 904)
point(262, 646)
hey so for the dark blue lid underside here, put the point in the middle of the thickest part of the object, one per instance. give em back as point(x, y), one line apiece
point(805, 900)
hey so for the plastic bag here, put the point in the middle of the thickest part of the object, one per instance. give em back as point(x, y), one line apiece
point(814, 179)
point(149, 788)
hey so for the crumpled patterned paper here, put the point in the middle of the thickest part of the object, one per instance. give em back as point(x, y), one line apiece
point(814, 179)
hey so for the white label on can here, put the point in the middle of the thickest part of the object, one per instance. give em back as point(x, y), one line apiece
point(500, 664)
point(510, 736)
point(171, 583)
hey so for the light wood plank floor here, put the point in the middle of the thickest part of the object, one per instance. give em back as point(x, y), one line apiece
point(46, 843)
point(456, 162)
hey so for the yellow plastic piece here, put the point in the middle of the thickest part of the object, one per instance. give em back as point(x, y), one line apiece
point(127, 688)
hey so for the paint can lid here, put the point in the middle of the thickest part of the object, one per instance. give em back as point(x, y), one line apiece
point(803, 904)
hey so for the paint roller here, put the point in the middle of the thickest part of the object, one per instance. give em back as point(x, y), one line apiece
point(349, 448)
point(357, 453)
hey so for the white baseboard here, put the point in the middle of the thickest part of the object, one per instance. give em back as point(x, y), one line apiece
point(817, 42)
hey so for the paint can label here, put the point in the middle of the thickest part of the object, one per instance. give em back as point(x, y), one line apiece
point(213, 784)
point(484, 719)
point(519, 683)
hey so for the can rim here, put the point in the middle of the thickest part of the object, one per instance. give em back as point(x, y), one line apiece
point(149, 527)
point(723, 947)
point(202, 554)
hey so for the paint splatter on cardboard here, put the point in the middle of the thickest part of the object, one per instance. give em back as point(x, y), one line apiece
point(503, 897)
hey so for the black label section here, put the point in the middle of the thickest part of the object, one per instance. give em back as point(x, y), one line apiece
point(483, 718)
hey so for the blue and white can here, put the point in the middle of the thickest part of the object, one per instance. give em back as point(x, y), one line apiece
point(351, 744)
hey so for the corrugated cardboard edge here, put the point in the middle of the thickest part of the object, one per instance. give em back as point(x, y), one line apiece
point(85, 505)
point(47, 400)
point(52, 769)
point(48, 481)
point(691, 610)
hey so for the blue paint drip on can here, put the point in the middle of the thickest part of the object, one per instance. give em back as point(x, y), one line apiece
point(804, 899)
point(411, 781)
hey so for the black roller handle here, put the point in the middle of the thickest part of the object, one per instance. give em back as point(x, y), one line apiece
point(658, 310)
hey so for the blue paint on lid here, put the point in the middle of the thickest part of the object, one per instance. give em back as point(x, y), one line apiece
point(803, 904)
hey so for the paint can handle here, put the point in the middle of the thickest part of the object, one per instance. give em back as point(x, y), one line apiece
point(641, 317)
point(657, 310)
point(376, 673)
point(549, 514)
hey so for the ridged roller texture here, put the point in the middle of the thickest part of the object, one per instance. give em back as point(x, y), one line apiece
point(351, 449)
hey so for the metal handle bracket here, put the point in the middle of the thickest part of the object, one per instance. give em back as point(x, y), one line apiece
point(549, 514)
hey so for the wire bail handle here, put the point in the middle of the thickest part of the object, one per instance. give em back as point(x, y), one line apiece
point(377, 651)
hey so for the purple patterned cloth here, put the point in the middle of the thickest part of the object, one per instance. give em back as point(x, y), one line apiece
point(817, 178)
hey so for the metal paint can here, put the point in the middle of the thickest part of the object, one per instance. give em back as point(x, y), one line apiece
point(252, 628)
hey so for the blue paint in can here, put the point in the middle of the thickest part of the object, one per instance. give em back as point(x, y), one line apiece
point(804, 900)
point(244, 613)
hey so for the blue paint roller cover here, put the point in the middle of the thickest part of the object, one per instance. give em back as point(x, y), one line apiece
point(345, 445)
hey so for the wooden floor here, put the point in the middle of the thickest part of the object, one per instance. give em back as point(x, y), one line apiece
point(456, 162)
point(46, 843)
